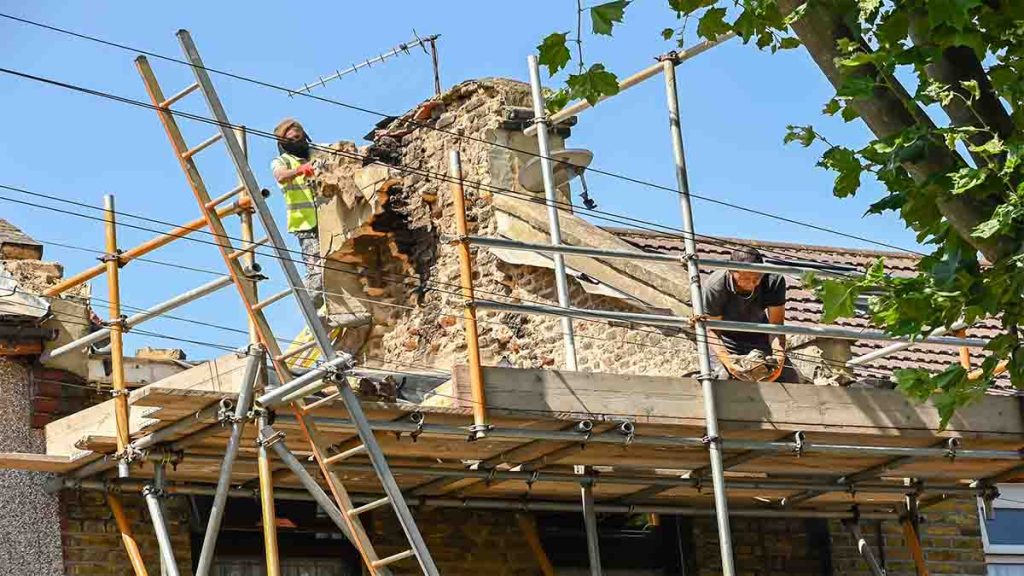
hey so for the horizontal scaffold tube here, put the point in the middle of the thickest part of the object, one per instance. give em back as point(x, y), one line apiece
point(487, 503)
point(136, 319)
point(793, 269)
point(277, 395)
point(679, 321)
point(617, 437)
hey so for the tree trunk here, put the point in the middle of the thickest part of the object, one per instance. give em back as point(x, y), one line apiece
point(890, 111)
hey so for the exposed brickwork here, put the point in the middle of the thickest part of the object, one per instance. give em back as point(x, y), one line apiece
point(462, 542)
point(951, 541)
point(762, 547)
point(92, 543)
point(56, 394)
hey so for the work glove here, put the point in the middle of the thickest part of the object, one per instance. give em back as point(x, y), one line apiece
point(305, 170)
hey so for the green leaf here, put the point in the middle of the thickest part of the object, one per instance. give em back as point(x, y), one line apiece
point(857, 87)
point(593, 84)
point(967, 178)
point(553, 52)
point(972, 87)
point(860, 59)
point(951, 13)
point(668, 33)
point(557, 100)
point(604, 16)
point(789, 42)
point(893, 201)
point(838, 298)
point(993, 146)
point(868, 8)
point(845, 162)
point(849, 113)
point(712, 24)
point(805, 135)
point(831, 107)
point(685, 7)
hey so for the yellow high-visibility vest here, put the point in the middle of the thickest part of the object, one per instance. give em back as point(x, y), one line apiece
point(299, 198)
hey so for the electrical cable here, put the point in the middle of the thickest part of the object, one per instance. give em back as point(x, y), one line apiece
point(460, 135)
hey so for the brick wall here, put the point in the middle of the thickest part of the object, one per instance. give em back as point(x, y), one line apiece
point(950, 538)
point(462, 542)
point(763, 547)
point(92, 543)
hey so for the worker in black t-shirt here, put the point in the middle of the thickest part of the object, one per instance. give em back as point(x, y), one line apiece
point(742, 296)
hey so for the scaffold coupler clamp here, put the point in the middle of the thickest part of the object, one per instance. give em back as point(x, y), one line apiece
point(585, 427)
point(698, 484)
point(534, 475)
point(121, 322)
point(417, 418)
point(627, 429)
point(988, 494)
point(153, 490)
point(709, 440)
point(115, 257)
point(476, 431)
point(799, 442)
point(670, 56)
point(226, 412)
point(268, 441)
point(952, 445)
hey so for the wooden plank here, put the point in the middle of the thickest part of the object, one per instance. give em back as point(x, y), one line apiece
point(36, 462)
point(219, 376)
point(742, 405)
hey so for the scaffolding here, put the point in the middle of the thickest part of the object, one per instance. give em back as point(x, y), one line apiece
point(272, 381)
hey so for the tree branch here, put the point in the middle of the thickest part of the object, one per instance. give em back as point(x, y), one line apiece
point(959, 64)
point(889, 111)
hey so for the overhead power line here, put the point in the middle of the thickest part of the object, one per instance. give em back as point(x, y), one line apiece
point(456, 134)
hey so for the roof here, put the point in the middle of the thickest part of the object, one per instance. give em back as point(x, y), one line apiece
point(803, 308)
point(12, 237)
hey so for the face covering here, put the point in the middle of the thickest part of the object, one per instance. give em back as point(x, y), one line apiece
point(299, 148)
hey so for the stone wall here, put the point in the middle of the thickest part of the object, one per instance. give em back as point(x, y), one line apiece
point(413, 276)
point(92, 542)
point(30, 543)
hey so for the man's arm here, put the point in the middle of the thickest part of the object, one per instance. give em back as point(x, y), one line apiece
point(777, 315)
point(283, 174)
point(717, 347)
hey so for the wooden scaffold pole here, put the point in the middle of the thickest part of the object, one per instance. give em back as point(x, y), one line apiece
point(127, 536)
point(112, 260)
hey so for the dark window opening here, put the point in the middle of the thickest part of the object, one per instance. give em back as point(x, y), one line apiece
point(309, 544)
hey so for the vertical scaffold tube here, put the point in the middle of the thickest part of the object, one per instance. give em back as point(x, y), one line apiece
point(544, 150)
point(697, 303)
point(154, 494)
point(267, 505)
point(112, 258)
point(476, 379)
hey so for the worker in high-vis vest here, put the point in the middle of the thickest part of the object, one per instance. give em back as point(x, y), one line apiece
point(294, 173)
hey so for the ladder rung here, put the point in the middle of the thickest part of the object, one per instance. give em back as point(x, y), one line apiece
point(367, 507)
point(201, 146)
point(296, 351)
point(267, 302)
point(314, 405)
point(248, 248)
point(350, 453)
point(188, 90)
point(392, 559)
point(224, 197)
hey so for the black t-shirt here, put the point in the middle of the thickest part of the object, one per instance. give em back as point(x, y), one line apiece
point(721, 299)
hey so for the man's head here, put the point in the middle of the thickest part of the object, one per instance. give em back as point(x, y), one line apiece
point(292, 138)
point(746, 281)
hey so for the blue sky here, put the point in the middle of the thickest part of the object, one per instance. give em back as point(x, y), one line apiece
point(736, 102)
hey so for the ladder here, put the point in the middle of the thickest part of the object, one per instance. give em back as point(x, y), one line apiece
point(243, 279)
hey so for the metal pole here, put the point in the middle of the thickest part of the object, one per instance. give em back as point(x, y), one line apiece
point(437, 67)
point(143, 249)
point(247, 235)
point(669, 320)
point(882, 352)
point(864, 548)
point(793, 270)
point(144, 316)
point(517, 505)
point(244, 402)
point(590, 521)
point(277, 395)
point(269, 437)
point(697, 303)
point(561, 284)
point(131, 546)
point(154, 493)
point(121, 410)
point(630, 81)
point(266, 476)
point(616, 437)
point(476, 378)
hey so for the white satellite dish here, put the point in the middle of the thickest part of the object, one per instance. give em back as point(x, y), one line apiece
point(567, 164)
